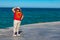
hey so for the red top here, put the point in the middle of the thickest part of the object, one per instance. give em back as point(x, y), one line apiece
point(17, 16)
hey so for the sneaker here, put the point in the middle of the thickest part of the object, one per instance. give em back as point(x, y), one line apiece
point(19, 33)
point(15, 34)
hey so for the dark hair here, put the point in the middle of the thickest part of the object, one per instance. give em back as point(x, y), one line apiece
point(17, 9)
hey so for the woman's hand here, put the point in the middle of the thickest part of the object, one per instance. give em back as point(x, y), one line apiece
point(22, 17)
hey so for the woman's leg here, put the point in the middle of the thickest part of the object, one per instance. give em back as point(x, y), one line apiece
point(18, 26)
point(15, 27)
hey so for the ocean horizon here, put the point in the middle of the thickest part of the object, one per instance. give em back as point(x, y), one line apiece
point(31, 15)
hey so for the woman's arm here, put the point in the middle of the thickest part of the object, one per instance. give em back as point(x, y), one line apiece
point(22, 17)
point(13, 10)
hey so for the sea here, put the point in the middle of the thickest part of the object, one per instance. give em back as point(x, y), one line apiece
point(31, 16)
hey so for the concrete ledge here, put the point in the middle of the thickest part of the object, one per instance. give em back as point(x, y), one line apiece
point(38, 31)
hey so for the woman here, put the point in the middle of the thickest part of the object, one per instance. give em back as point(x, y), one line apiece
point(18, 16)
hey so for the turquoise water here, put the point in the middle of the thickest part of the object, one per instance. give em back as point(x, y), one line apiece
point(31, 15)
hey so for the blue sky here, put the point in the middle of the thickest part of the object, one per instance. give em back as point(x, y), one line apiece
point(31, 3)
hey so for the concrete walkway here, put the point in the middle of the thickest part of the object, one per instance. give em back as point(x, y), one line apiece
point(39, 31)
